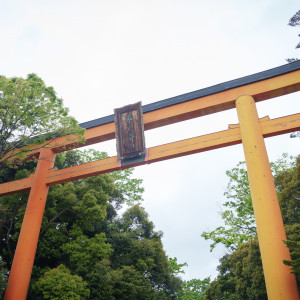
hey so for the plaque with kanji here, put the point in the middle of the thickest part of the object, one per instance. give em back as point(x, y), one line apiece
point(130, 132)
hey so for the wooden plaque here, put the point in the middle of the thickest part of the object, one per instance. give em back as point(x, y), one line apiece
point(130, 132)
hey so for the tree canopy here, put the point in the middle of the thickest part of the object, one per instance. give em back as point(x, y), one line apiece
point(85, 250)
point(59, 283)
point(31, 114)
point(240, 270)
point(194, 289)
point(238, 214)
point(295, 21)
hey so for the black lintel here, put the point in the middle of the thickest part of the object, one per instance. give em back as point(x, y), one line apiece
point(287, 68)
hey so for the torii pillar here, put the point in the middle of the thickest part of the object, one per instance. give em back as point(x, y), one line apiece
point(19, 277)
point(280, 283)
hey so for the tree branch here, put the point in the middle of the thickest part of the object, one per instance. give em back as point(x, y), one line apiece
point(51, 222)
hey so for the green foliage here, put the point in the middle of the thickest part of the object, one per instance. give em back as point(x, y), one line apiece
point(240, 272)
point(238, 215)
point(288, 186)
point(131, 189)
point(31, 114)
point(240, 275)
point(60, 284)
point(137, 245)
point(131, 284)
point(128, 189)
point(3, 277)
point(85, 243)
point(101, 280)
point(85, 252)
point(176, 267)
point(194, 289)
point(289, 197)
point(293, 242)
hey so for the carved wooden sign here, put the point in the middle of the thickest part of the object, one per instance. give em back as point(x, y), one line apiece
point(130, 132)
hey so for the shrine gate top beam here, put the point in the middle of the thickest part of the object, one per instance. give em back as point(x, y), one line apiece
point(212, 90)
point(261, 86)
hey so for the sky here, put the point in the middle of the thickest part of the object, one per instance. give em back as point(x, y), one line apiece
point(104, 54)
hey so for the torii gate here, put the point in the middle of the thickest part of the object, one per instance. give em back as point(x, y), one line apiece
point(241, 94)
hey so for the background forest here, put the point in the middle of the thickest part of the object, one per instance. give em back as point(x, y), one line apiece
point(87, 251)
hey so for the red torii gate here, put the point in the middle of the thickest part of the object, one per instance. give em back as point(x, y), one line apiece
point(241, 94)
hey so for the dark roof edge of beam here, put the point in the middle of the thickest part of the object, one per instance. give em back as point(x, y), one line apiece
point(287, 68)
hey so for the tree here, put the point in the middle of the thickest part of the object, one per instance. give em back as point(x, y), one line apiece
point(131, 284)
point(60, 284)
point(137, 245)
point(116, 257)
point(129, 188)
point(288, 184)
point(194, 289)
point(238, 215)
point(294, 21)
point(31, 114)
point(3, 277)
point(240, 275)
point(85, 252)
point(240, 271)
point(176, 267)
point(293, 243)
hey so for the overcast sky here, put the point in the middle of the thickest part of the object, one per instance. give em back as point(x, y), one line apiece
point(100, 55)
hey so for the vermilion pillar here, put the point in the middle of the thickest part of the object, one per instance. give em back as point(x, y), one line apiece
point(21, 269)
point(280, 283)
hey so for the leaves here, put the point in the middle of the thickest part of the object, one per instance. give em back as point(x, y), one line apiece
point(240, 272)
point(85, 249)
point(3, 277)
point(84, 252)
point(238, 215)
point(241, 275)
point(293, 243)
point(60, 284)
point(31, 114)
point(176, 267)
point(127, 189)
point(294, 21)
point(194, 289)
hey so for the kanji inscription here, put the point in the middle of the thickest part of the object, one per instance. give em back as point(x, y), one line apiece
point(130, 131)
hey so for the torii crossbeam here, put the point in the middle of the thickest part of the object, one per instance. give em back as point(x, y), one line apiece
point(241, 94)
